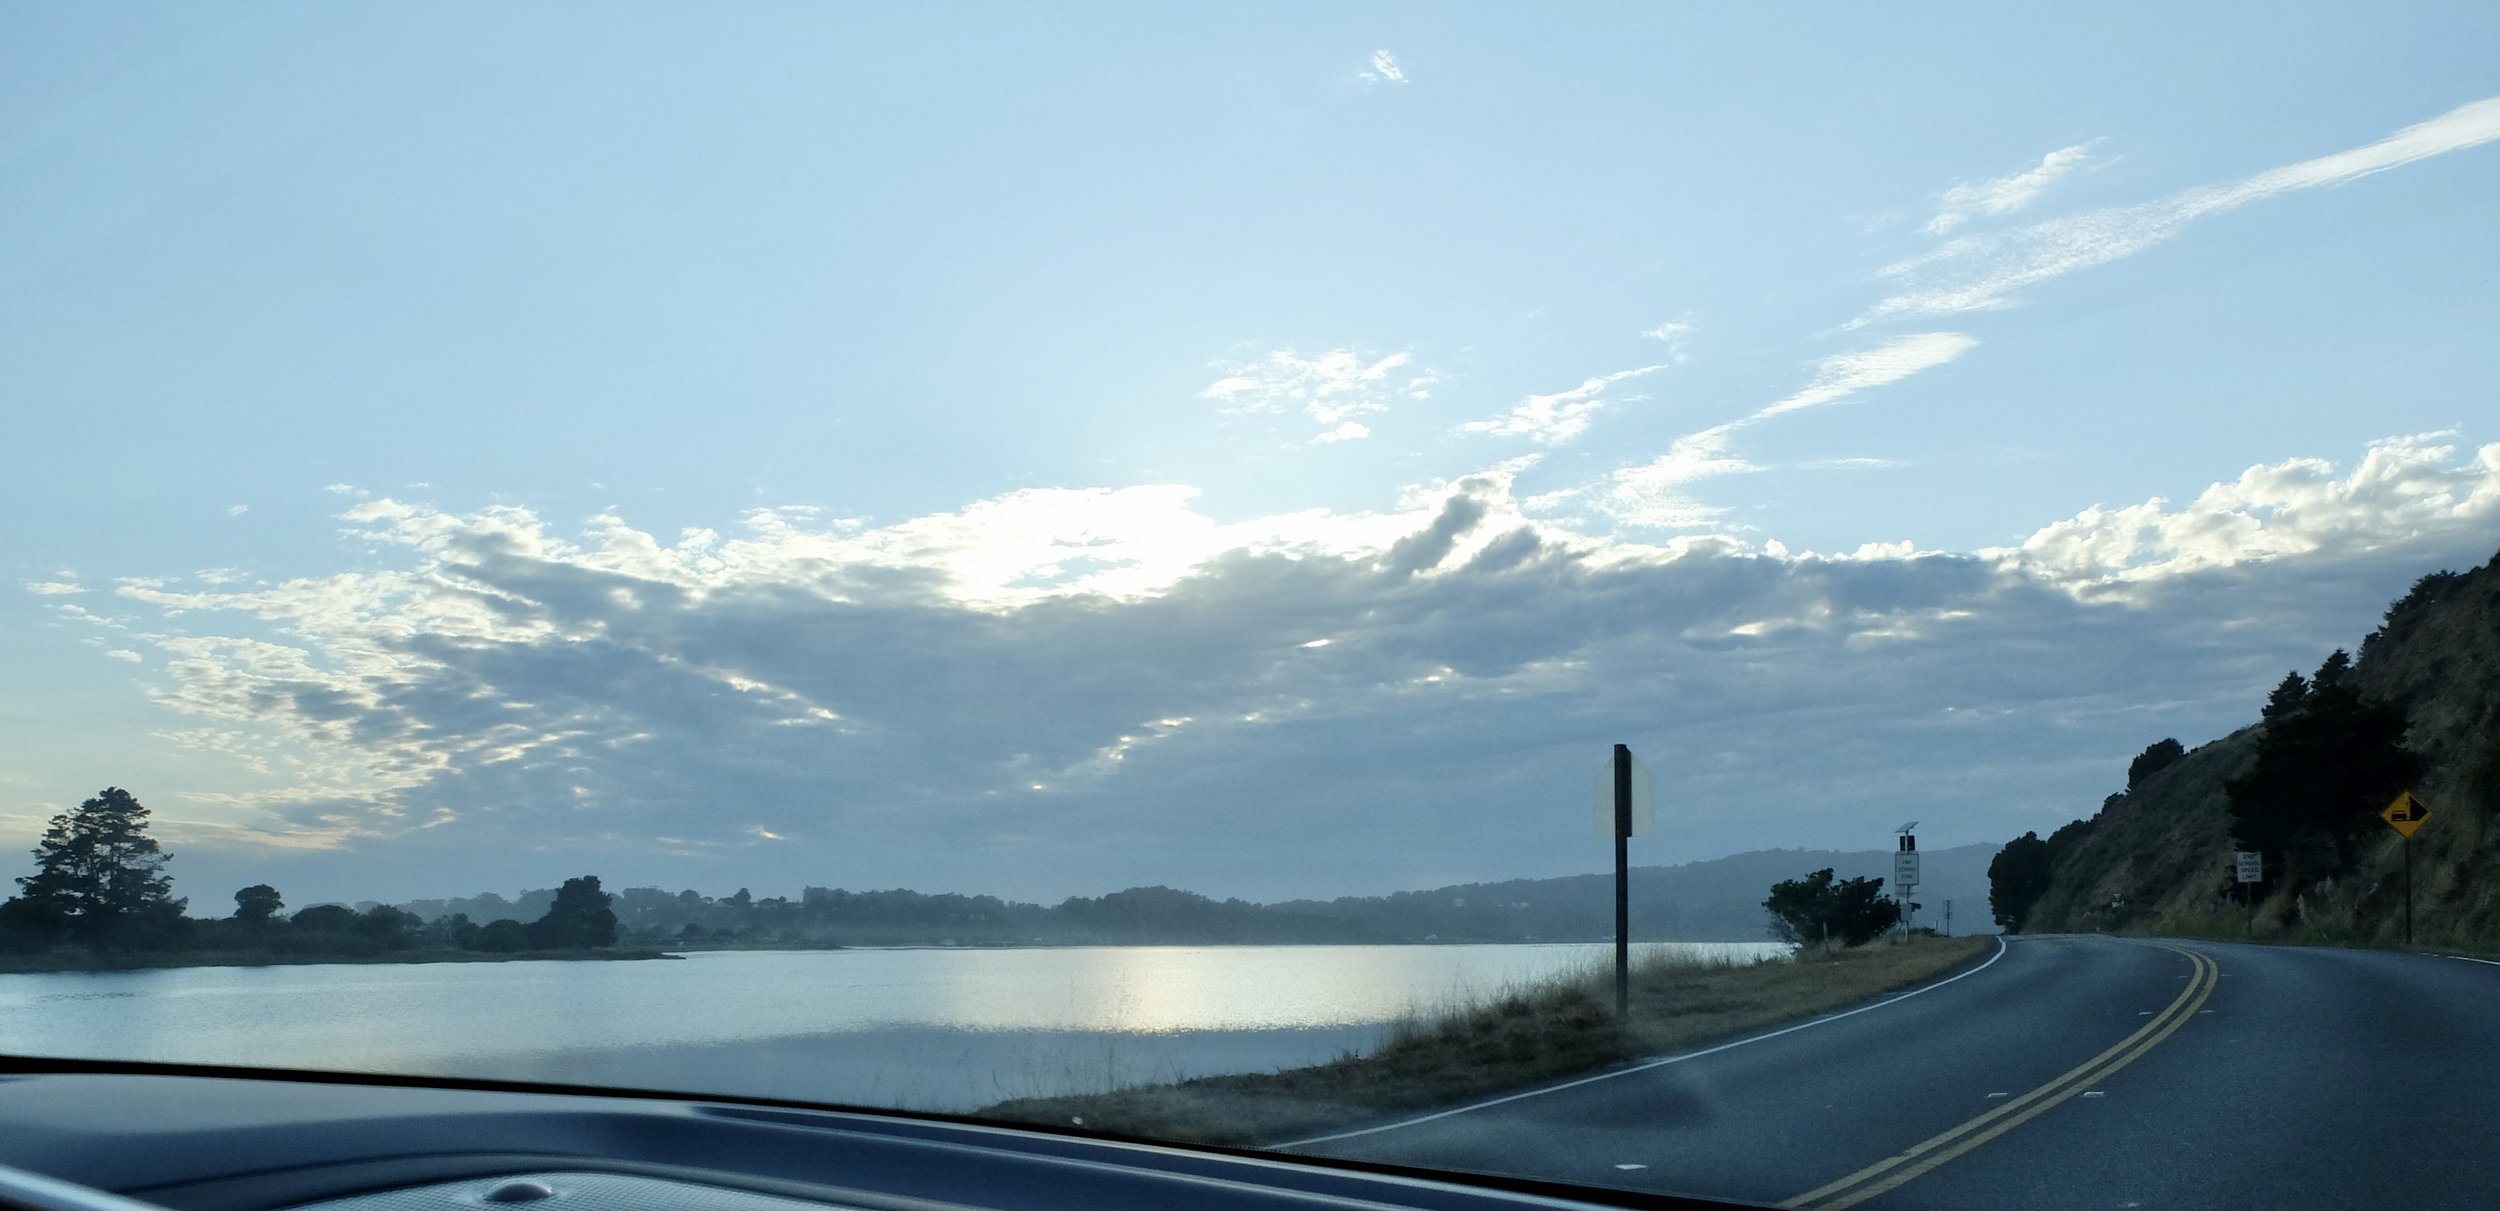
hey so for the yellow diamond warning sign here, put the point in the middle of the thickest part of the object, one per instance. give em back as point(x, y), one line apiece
point(2406, 814)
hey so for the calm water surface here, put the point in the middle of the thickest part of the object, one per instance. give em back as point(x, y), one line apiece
point(928, 1029)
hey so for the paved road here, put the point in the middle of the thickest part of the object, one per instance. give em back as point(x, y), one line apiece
point(2067, 1072)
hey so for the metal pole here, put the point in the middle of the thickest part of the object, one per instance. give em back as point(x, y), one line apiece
point(1623, 882)
point(2408, 891)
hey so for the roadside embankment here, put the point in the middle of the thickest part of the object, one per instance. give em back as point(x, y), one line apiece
point(1513, 1040)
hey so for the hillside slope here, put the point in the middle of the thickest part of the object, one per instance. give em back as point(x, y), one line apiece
point(1719, 900)
point(2157, 857)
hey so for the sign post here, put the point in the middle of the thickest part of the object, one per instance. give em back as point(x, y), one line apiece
point(2407, 814)
point(1905, 873)
point(1626, 807)
point(2248, 867)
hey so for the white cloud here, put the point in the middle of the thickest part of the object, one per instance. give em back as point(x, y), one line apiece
point(1983, 272)
point(237, 510)
point(1349, 431)
point(1654, 494)
point(52, 588)
point(1330, 388)
point(1384, 69)
point(1673, 334)
point(1553, 419)
point(2404, 490)
point(1843, 375)
point(2004, 195)
point(126, 654)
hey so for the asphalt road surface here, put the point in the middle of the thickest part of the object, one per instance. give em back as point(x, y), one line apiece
point(2067, 1071)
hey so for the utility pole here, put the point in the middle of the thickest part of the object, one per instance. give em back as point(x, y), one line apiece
point(1948, 918)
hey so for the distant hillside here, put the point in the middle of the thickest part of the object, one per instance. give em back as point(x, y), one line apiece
point(2156, 856)
point(1714, 901)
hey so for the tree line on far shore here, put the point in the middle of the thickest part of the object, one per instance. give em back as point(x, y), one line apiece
point(100, 886)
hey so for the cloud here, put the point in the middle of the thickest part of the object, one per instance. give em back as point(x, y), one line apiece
point(2404, 490)
point(52, 588)
point(126, 654)
point(1673, 334)
point(1384, 69)
point(1330, 388)
point(1984, 272)
point(1843, 375)
point(237, 510)
point(2004, 195)
point(1654, 493)
point(1199, 699)
point(1551, 420)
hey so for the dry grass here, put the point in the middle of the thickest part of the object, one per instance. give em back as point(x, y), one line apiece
point(1512, 1040)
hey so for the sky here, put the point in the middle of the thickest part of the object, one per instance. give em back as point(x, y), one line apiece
point(1269, 450)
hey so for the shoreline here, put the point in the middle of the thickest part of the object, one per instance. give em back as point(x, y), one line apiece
point(79, 964)
point(1561, 1028)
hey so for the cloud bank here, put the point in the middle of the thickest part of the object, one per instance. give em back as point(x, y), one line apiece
point(1061, 691)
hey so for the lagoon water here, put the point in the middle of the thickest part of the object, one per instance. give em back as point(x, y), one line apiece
point(923, 1029)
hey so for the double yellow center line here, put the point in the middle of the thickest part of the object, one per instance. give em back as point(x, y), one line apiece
point(1927, 1155)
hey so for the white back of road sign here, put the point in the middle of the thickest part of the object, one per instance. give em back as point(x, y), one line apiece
point(1644, 801)
point(2250, 867)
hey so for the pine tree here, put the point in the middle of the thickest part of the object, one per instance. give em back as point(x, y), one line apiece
point(2326, 762)
point(99, 877)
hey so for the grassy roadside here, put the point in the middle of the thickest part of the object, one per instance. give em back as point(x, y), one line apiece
point(64, 961)
point(1513, 1040)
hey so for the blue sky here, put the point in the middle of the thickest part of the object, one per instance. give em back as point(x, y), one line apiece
point(798, 443)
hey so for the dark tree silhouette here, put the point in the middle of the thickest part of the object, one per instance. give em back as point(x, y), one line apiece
point(455, 931)
point(99, 877)
point(2327, 761)
point(2287, 697)
point(395, 929)
point(254, 905)
point(503, 936)
point(1849, 911)
point(580, 919)
point(327, 918)
point(2155, 758)
point(2017, 877)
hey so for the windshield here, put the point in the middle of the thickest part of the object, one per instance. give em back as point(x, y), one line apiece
point(1786, 605)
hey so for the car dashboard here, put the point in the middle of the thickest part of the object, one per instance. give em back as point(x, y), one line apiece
point(196, 1139)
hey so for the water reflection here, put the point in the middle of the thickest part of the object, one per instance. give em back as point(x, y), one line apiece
point(945, 1029)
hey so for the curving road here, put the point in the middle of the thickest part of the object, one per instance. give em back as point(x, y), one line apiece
point(2067, 1071)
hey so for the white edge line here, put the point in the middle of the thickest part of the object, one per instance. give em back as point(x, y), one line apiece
point(1660, 1063)
point(2468, 959)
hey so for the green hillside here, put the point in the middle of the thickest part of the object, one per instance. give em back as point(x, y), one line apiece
point(2156, 857)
